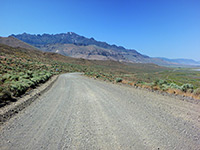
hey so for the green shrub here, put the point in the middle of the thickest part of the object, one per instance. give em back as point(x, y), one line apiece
point(1, 88)
point(174, 86)
point(14, 77)
point(21, 73)
point(165, 87)
point(161, 82)
point(5, 95)
point(35, 80)
point(118, 80)
point(187, 86)
point(5, 77)
point(19, 87)
point(30, 73)
point(26, 76)
point(29, 82)
point(139, 82)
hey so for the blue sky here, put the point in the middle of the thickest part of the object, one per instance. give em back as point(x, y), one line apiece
point(158, 28)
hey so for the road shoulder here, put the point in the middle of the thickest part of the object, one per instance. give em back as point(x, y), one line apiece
point(9, 111)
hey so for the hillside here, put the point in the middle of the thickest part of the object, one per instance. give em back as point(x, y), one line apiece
point(85, 52)
point(14, 42)
point(23, 69)
point(74, 45)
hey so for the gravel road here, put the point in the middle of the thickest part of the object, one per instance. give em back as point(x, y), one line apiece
point(81, 113)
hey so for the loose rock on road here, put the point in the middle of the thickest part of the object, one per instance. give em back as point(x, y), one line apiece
point(82, 113)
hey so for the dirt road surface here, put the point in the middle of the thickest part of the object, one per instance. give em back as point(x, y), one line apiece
point(79, 113)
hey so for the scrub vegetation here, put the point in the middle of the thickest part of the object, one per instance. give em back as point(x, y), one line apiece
point(22, 70)
point(177, 81)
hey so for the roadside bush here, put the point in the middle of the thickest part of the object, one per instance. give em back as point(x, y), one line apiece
point(1, 88)
point(97, 76)
point(197, 91)
point(5, 95)
point(26, 76)
point(139, 82)
point(174, 86)
point(40, 77)
point(30, 73)
point(35, 80)
point(5, 77)
point(190, 90)
point(165, 87)
point(161, 82)
point(187, 86)
point(29, 82)
point(21, 73)
point(20, 87)
point(16, 88)
point(118, 80)
point(14, 77)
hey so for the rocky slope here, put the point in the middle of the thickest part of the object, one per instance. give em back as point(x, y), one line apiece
point(74, 45)
point(13, 42)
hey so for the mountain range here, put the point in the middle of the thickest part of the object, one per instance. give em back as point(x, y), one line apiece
point(182, 61)
point(74, 45)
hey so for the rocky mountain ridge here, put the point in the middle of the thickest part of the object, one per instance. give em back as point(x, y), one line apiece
point(74, 45)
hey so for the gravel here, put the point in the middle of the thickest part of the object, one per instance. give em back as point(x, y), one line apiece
point(82, 113)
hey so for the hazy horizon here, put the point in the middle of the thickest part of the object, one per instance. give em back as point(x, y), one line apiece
point(155, 28)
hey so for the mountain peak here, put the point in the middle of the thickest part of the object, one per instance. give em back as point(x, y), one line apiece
point(71, 33)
